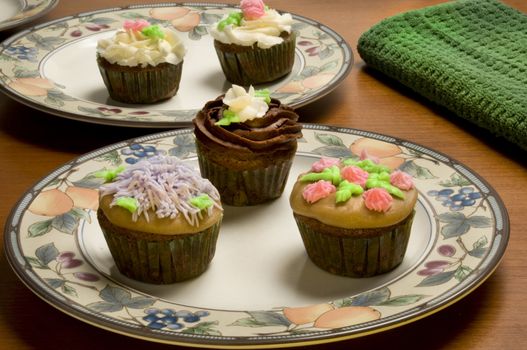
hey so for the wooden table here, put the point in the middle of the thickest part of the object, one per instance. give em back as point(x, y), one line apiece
point(33, 143)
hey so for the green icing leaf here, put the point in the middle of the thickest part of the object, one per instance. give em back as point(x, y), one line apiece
point(153, 32)
point(264, 94)
point(346, 190)
point(234, 18)
point(368, 165)
point(228, 118)
point(202, 201)
point(109, 175)
point(374, 182)
point(128, 203)
point(328, 174)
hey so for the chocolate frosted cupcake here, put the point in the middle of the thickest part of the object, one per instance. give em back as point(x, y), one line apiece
point(246, 142)
point(255, 45)
point(142, 63)
point(160, 219)
point(354, 217)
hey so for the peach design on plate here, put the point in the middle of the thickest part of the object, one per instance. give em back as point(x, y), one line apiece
point(51, 203)
point(55, 202)
point(306, 314)
point(313, 82)
point(387, 153)
point(32, 86)
point(181, 18)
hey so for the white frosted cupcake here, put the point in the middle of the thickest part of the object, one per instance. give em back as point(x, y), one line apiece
point(141, 63)
point(255, 45)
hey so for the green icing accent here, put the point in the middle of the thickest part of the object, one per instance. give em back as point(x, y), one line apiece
point(329, 174)
point(234, 18)
point(128, 203)
point(109, 175)
point(375, 182)
point(346, 190)
point(153, 31)
point(367, 165)
point(264, 94)
point(228, 118)
point(202, 201)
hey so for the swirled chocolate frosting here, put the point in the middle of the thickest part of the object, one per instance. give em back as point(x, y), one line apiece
point(277, 130)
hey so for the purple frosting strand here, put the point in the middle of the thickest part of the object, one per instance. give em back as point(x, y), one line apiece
point(164, 185)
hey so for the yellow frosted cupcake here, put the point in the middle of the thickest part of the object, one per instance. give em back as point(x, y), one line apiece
point(141, 63)
point(354, 217)
point(160, 219)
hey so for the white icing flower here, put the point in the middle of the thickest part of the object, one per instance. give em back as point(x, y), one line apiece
point(244, 103)
point(265, 31)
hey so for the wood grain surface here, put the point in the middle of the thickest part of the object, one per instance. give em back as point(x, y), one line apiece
point(33, 143)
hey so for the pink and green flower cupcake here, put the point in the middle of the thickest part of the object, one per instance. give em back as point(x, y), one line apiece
point(254, 45)
point(354, 216)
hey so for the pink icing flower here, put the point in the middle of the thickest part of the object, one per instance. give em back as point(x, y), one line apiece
point(252, 9)
point(355, 174)
point(324, 163)
point(136, 25)
point(401, 180)
point(377, 199)
point(364, 155)
point(318, 190)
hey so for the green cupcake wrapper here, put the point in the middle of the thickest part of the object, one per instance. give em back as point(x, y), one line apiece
point(140, 84)
point(255, 65)
point(351, 256)
point(162, 261)
point(246, 187)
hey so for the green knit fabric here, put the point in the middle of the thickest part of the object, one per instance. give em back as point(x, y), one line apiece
point(469, 56)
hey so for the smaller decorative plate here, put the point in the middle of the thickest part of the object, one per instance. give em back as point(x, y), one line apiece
point(261, 290)
point(16, 12)
point(53, 68)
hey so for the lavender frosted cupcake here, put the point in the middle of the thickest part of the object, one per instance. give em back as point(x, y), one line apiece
point(255, 45)
point(142, 63)
point(160, 219)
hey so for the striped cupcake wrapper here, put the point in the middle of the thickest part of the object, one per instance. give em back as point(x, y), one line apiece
point(141, 85)
point(246, 187)
point(356, 256)
point(255, 65)
point(163, 261)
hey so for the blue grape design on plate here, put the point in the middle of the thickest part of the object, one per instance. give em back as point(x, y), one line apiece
point(456, 201)
point(136, 152)
point(179, 320)
point(23, 53)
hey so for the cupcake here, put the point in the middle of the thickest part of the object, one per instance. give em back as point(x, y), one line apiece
point(245, 143)
point(354, 216)
point(141, 63)
point(160, 219)
point(255, 45)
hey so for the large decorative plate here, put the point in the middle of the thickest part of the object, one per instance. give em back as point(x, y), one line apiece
point(52, 67)
point(261, 290)
point(17, 12)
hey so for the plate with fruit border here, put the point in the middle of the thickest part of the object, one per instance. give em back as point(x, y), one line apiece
point(16, 12)
point(261, 290)
point(52, 67)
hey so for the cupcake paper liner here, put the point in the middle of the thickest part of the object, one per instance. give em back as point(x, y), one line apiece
point(355, 256)
point(140, 84)
point(160, 259)
point(253, 65)
point(246, 187)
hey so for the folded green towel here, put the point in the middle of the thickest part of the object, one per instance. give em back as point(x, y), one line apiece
point(469, 56)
